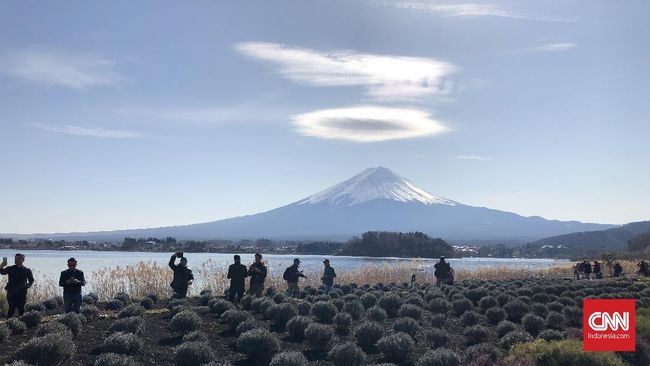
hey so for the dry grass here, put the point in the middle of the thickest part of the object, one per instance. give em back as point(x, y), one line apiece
point(149, 277)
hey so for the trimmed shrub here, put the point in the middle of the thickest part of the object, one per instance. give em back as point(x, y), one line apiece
point(123, 297)
point(495, 315)
point(439, 305)
point(219, 306)
point(52, 327)
point(532, 323)
point(513, 337)
point(319, 335)
point(355, 308)
point(439, 357)
point(290, 358)
point(461, 306)
point(186, 321)
point(377, 314)
point(122, 343)
point(505, 327)
point(235, 317)
point(476, 294)
point(470, 318)
point(51, 349)
point(112, 359)
point(556, 321)
point(484, 352)
point(131, 310)
point(566, 352)
point(367, 334)
point(555, 306)
point(147, 303)
point(90, 312)
point(368, 300)
point(246, 302)
point(16, 325)
point(281, 313)
point(88, 300)
point(488, 302)
point(391, 303)
point(515, 310)
point(410, 311)
point(31, 318)
point(204, 300)
point(133, 325)
point(342, 322)
point(114, 304)
point(438, 320)
point(396, 347)
point(73, 322)
point(347, 354)
point(195, 336)
point(406, 325)
point(304, 308)
point(551, 335)
point(323, 311)
point(296, 326)
point(539, 310)
point(573, 316)
point(35, 307)
point(258, 344)
point(5, 332)
point(193, 354)
point(476, 334)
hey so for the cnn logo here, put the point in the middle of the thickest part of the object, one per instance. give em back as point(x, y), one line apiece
point(609, 325)
point(600, 321)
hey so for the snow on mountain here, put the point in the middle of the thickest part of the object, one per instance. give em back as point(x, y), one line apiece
point(371, 184)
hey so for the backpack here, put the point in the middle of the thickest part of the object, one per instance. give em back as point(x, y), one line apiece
point(286, 274)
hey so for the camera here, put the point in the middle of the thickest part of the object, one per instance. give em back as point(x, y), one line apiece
point(179, 254)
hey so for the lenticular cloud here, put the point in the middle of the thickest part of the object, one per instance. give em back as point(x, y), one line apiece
point(368, 123)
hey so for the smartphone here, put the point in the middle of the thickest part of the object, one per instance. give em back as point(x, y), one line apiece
point(180, 254)
point(4, 259)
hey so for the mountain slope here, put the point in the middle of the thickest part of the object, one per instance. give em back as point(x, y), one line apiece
point(375, 200)
point(615, 238)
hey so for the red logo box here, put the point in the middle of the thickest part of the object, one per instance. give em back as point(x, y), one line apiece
point(609, 325)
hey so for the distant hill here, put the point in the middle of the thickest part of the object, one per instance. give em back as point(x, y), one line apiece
point(391, 244)
point(610, 239)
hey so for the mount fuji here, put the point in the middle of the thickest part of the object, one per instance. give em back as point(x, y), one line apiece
point(376, 199)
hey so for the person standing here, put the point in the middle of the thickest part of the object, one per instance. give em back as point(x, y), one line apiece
point(20, 279)
point(587, 269)
point(257, 272)
point(71, 280)
point(291, 275)
point(618, 270)
point(442, 271)
point(183, 276)
point(237, 274)
point(328, 276)
point(598, 273)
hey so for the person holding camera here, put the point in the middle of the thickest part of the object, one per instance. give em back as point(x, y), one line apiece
point(183, 276)
point(71, 280)
point(20, 279)
point(291, 275)
point(257, 272)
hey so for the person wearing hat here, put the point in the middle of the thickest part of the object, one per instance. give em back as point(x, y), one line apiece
point(257, 272)
point(71, 280)
point(328, 276)
point(237, 274)
point(291, 275)
point(20, 279)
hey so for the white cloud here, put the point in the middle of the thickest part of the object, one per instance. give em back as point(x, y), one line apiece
point(55, 67)
point(473, 157)
point(471, 10)
point(368, 123)
point(91, 131)
point(385, 77)
point(552, 47)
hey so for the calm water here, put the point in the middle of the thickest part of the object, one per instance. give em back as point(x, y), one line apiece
point(51, 263)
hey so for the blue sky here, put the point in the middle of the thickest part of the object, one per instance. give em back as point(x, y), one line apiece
point(128, 115)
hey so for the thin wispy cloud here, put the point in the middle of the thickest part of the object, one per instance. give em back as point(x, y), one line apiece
point(61, 68)
point(91, 131)
point(203, 115)
point(474, 157)
point(552, 47)
point(470, 10)
point(385, 77)
point(368, 124)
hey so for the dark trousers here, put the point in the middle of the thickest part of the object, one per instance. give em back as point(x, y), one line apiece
point(16, 300)
point(180, 293)
point(72, 302)
point(236, 290)
point(256, 289)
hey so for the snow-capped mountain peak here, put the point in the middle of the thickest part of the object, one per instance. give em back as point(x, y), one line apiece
point(375, 183)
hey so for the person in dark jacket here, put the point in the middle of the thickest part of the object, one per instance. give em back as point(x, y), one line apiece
point(618, 270)
point(20, 279)
point(237, 274)
point(328, 276)
point(587, 269)
point(71, 280)
point(183, 276)
point(442, 272)
point(257, 272)
point(291, 275)
point(598, 272)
